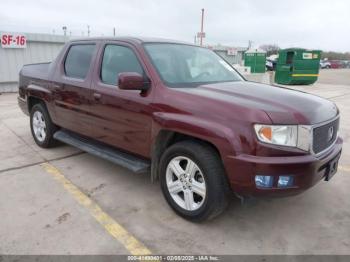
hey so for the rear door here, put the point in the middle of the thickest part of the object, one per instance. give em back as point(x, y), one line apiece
point(121, 118)
point(72, 87)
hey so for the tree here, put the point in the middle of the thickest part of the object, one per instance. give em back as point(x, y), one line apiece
point(336, 55)
point(271, 49)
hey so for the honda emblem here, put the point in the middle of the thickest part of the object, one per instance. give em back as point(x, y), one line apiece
point(330, 133)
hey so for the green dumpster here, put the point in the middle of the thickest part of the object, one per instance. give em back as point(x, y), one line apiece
point(256, 60)
point(297, 66)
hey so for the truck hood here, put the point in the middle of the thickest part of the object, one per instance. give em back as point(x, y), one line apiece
point(283, 105)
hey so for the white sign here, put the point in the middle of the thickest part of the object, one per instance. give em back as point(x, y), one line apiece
point(13, 40)
point(307, 55)
point(231, 51)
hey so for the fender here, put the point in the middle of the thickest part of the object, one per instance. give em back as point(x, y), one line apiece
point(38, 91)
point(217, 134)
point(37, 88)
point(43, 93)
point(223, 137)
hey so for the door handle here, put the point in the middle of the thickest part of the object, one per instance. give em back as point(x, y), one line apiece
point(97, 96)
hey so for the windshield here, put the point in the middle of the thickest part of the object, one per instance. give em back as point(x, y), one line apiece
point(184, 65)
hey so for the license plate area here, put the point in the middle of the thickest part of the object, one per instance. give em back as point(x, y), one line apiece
point(332, 168)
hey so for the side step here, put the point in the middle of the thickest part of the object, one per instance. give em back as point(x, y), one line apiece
point(133, 163)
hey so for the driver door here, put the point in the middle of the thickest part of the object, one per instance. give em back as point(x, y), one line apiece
point(121, 118)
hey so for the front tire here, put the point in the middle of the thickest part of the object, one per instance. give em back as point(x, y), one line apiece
point(42, 127)
point(193, 180)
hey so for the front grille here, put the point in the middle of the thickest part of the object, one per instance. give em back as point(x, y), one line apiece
point(322, 138)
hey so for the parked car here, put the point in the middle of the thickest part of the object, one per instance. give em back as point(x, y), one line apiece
point(325, 64)
point(345, 64)
point(335, 64)
point(271, 64)
point(184, 115)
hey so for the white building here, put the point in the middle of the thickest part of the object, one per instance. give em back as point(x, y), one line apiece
point(233, 55)
point(35, 48)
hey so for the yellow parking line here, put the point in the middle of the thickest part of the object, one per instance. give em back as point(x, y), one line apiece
point(134, 246)
point(344, 168)
point(301, 75)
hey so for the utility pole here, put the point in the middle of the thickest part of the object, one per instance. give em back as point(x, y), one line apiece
point(195, 39)
point(250, 43)
point(88, 30)
point(64, 28)
point(202, 33)
point(113, 31)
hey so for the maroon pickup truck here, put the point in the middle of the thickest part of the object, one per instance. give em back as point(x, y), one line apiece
point(183, 114)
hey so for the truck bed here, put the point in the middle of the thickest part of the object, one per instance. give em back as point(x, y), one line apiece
point(36, 71)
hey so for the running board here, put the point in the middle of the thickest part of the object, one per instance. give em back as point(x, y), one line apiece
point(133, 163)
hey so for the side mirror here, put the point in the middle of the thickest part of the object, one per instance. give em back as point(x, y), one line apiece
point(132, 81)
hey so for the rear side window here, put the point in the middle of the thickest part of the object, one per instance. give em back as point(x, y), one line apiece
point(78, 61)
point(118, 59)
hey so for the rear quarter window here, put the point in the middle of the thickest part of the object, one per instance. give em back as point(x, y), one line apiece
point(78, 60)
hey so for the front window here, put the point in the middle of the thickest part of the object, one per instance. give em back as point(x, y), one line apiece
point(182, 65)
point(118, 59)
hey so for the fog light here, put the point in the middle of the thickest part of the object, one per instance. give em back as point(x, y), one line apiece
point(285, 181)
point(263, 181)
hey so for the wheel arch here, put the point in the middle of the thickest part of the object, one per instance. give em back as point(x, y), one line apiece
point(165, 139)
point(215, 139)
point(37, 94)
point(169, 128)
point(33, 100)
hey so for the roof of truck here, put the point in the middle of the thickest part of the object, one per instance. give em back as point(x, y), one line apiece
point(138, 40)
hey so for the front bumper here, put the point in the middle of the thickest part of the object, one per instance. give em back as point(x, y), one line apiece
point(307, 170)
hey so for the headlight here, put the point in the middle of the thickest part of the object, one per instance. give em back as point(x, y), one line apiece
point(277, 134)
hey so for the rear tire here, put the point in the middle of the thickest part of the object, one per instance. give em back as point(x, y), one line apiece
point(198, 189)
point(42, 127)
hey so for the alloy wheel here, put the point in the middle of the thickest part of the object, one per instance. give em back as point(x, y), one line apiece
point(185, 183)
point(39, 126)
